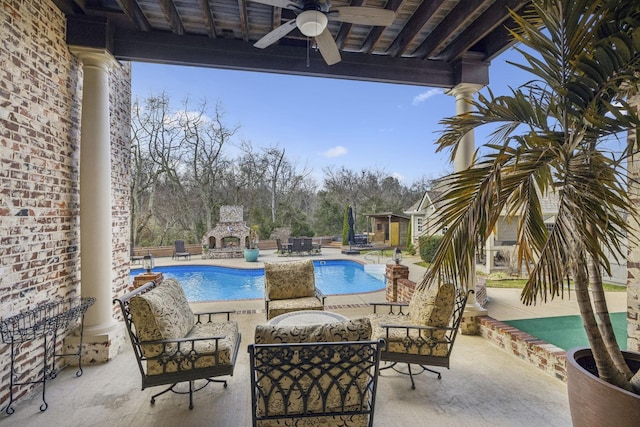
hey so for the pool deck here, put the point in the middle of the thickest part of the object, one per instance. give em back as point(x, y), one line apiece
point(485, 386)
point(504, 304)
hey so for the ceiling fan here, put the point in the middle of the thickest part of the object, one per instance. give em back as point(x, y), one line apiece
point(313, 17)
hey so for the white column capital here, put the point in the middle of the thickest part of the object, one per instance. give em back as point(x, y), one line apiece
point(464, 90)
point(94, 57)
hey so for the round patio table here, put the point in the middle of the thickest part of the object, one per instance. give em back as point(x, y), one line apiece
point(306, 317)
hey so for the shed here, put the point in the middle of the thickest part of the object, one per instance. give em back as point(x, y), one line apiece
point(389, 229)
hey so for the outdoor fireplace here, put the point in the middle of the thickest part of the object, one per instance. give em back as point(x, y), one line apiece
point(229, 237)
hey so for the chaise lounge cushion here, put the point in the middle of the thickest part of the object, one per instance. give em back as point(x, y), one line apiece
point(428, 307)
point(349, 330)
point(163, 313)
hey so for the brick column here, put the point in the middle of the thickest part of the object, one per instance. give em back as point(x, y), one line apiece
point(392, 274)
point(464, 93)
point(96, 228)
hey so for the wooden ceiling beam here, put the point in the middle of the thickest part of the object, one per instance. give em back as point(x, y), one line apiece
point(277, 17)
point(450, 24)
point(167, 48)
point(345, 28)
point(207, 14)
point(495, 41)
point(244, 28)
point(172, 16)
point(68, 7)
point(376, 32)
point(489, 21)
point(135, 14)
point(418, 20)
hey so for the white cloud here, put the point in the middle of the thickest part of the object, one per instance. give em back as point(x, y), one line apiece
point(337, 151)
point(418, 99)
point(398, 176)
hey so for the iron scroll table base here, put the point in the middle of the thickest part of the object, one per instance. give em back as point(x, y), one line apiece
point(411, 373)
point(45, 322)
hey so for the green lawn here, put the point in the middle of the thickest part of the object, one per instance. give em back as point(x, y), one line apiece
point(519, 284)
point(503, 280)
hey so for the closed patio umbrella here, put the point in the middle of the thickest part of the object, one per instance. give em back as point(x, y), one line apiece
point(351, 236)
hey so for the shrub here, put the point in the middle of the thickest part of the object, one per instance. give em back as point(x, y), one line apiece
point(428, 246)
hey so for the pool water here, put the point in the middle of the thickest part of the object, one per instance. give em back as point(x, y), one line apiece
point(210, 283)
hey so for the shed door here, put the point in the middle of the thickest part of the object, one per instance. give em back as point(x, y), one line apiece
point(394, 236)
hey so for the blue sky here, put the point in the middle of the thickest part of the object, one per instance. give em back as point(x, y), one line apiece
point(358, 125)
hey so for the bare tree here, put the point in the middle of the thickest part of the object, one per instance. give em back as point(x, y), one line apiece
point(203, 139)
point(148, 129)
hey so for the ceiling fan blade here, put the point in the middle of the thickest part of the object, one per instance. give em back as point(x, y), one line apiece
point(285, 4)
point(276, 34)
point(363, 15)
point(328, 48)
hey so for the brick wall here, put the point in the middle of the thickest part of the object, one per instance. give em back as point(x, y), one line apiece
point(120, 100)
point(544, 356)
point(633, 258)
point(40, 106)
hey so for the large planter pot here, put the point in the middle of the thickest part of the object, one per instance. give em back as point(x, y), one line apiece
point(251, 255)
point(594, 402)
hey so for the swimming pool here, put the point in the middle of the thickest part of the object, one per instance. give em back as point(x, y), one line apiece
point(209, 283)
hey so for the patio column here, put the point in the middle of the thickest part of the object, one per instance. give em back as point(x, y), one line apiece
point(95, 199)
point(464, 93)
point(633, 251)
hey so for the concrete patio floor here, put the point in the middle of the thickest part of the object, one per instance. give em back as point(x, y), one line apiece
point(484, 387)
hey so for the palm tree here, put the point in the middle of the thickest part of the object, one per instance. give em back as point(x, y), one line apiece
point(554, 134)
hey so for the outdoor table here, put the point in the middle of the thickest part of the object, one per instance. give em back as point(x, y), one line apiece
point(306, 317)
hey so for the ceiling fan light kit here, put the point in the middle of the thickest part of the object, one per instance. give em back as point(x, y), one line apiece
point(311, 22)
point(312, 19)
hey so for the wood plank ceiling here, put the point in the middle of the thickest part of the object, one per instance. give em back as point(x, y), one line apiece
point(437, 43)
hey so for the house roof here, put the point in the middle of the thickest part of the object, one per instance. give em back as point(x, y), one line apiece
point(425, 201)
point(437, 43)
point(548, 203)
point(386, 215)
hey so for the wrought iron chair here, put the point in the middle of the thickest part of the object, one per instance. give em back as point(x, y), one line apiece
point(422, 332)
point(296, 245)
point(179, 251)
point(307, 245)
point(282, 250)
point(291, 286)
point(172, 344)
point(314, 375)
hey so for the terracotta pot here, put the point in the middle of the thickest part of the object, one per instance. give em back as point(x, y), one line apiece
point(594, 402)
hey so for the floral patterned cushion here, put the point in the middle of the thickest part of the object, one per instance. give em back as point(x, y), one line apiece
point(357, 420)
point(433, 306)
point(205, 349)
point(411, 341)
point(162, 312)
point(348, 330)
point(282, 306)
point(290, 279)
point(428, 307)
